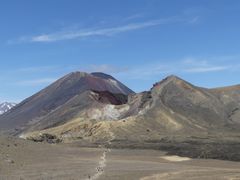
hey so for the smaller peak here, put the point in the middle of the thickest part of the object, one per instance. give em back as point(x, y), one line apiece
point(172, 77)
point(168, 79)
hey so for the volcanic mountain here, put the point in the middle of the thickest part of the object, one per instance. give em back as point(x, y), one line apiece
point(95, 108)
point(63, 100)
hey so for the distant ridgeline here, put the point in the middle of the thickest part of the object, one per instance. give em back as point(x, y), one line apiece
point(6, 106)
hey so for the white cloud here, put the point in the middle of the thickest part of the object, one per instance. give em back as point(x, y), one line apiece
point(199, 65)
point(82, 33)
point(36, 82)
point(207, 69)
point(37, 69)
point(106, 68)
point(188, 65)
point(194, 20)
point(184, 66)
point(135, 16)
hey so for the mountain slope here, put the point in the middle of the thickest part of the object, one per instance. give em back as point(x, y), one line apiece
point(53, 98)
point(230, 97)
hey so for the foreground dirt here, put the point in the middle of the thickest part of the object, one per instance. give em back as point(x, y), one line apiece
point(24, 160)
point(20, 159)
point(153, 165)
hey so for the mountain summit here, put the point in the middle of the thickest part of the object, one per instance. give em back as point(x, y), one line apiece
point(81, 81)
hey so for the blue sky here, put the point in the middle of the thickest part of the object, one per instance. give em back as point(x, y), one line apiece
point(138, 41)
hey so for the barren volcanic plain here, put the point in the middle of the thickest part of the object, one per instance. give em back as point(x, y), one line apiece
point(25, 160)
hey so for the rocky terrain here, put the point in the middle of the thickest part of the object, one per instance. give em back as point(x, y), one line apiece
point(96, 109)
